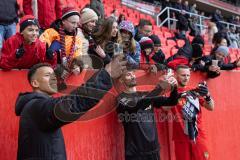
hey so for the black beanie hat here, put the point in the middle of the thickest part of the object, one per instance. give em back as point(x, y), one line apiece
point(145, 43)
point(26, 21)
point(198, 40)
point(155, 40)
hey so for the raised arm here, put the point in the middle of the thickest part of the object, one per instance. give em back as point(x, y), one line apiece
point(53, 113)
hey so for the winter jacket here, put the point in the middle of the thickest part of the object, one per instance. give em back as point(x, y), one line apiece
point(186, 8)
point(97, 61)
point(52, 34)
point(182, 23)
point(182, 57)
point(207, 61)
point(157, 59)
point(32, 53)
point(178, 6)
point(47, 11)
point(42, 116)
point(216, 17)
point(233, 38)
point(134, 58)
point(85, 42)
point(8, 12)
point(141, 138)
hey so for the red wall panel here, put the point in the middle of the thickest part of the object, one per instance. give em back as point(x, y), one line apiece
point(99, 136)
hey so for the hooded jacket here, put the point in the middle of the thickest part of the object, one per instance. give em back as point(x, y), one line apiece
point(183, 56)
point(141, 138)
point(52, 34)
point(33, 53)
point(207, 60)
point(42, 116)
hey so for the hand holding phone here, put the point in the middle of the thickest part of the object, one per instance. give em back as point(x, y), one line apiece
point(215, 62)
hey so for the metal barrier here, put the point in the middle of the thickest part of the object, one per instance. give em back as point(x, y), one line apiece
point(229, 24)
point(169, 19)
point(145, 8)
point(201, 19)
point(151, 10)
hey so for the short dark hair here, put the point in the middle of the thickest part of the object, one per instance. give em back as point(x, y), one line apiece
point(218, 37)
point(181, 66)
point(144, 22)
point(34, 68)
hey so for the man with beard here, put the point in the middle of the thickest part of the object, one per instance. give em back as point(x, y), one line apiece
point(188, 135)
point(24, 49)
point(42, 116)
point(135, 111)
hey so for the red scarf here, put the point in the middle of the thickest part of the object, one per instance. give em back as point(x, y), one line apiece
point(147, 59)
point(69, 58)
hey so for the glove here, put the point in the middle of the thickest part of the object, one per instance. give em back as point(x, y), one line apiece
point(55, 46)
point(202, 90)
point(49, 54)
point(20, 51)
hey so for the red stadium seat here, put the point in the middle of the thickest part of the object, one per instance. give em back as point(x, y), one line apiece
point(234, 50)
point(190, 38)
point(137, 15)
point(206, 53)
point(171, 43)
point(167, 34)
point(238, 54)
point(233, 57)
point(163, 41)
point(155, 27)
point(207, 47)
point(174, 50)
point(238, 51)
point(164, 29)
point(158, 33)
point(143, 16)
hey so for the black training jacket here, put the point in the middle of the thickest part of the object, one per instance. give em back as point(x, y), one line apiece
point(41, 117)
point(135, 111)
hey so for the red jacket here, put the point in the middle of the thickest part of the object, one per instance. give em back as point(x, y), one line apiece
point(180, 60)
point(33, 53)
point(48, 11)
point(144, 65)
point(143, 58)
point(178, 123)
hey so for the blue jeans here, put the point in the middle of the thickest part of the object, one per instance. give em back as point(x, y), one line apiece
point(6, 31)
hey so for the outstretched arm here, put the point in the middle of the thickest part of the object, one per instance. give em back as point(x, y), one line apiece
point(159, 101)
point(52, 113)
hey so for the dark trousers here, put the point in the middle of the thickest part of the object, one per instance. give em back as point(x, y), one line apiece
point(153, 156)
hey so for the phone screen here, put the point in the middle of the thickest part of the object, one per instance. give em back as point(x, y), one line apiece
point(118, 49)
